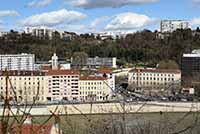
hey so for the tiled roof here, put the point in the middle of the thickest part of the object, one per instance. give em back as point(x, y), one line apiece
point(45, 67)
point(23, 73)
point(156, 70)
point(48, 67)
point(30, 129)
point(104, 70)
point(63, 72)
point(92, 78)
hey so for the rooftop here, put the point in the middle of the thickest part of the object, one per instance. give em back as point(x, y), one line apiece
point(156, 70)
point(63, 72)
point(30, 129)
point(94, 78)
point(195, 53)
point(22, 73)
point(104, 70)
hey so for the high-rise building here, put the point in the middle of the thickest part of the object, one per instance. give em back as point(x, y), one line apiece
point(168, 26)
point(190, 67)
point(17, 62)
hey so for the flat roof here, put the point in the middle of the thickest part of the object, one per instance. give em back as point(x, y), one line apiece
point(191, 55)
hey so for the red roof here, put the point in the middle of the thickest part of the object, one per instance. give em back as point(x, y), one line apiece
point(63, 72)
point(92, 78)
point(104, 70)
point(46, 67)
point(22, 73)
point(30, 129)
point(157, 70)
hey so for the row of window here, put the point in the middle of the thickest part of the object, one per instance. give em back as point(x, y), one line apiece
point(25, 78)
point(91, 88)
point(151, 78)
point(153, 74)
point(91, 83)
point(91, 93)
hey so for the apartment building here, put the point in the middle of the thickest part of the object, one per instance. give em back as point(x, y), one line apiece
point(40, 32)
point(62, 85)
point(17, 62)
point(168, 26)
point(57, 85)
point(107, 73)
point(28, 85)
point(153, 78)
point(94, 88)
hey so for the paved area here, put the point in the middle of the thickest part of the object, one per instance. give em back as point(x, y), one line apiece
point(104, 108)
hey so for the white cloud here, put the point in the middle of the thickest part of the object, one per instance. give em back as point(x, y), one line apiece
point(84, 28)
point(73, 28)
point(195, 21)
point(94, 24)
point(39, 3)
point(4, 13)
point(108, 3)
point(53, 18)
point(129, 21)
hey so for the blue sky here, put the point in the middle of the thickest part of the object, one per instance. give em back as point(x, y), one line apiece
point(96, 15)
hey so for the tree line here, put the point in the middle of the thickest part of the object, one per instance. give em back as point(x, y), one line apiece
point(143, 47)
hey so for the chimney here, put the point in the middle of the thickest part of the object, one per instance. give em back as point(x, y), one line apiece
point(28, 119)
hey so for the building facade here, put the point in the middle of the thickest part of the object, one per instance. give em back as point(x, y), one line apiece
point(29, 86)
point(102, 62)
point(110, 76)
point(57, 85)
point(153, 78)
point(63, 85)
point(40, 32)
point(168, 26)
point(190, 67)
point(17, 62)
point(94, 88)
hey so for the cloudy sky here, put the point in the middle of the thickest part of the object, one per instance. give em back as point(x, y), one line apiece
point(96, 15)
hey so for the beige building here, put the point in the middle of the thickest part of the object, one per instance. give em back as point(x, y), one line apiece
point(57, 85)
point(27, 86)
point(153, 78)
point(94, 88)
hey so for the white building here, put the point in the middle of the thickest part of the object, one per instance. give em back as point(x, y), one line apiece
point(97, 62)
point(168, 26)
point(17, 62)
point(40, 31)
point(153, 78)
point(54, 64)
point(3, 33)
